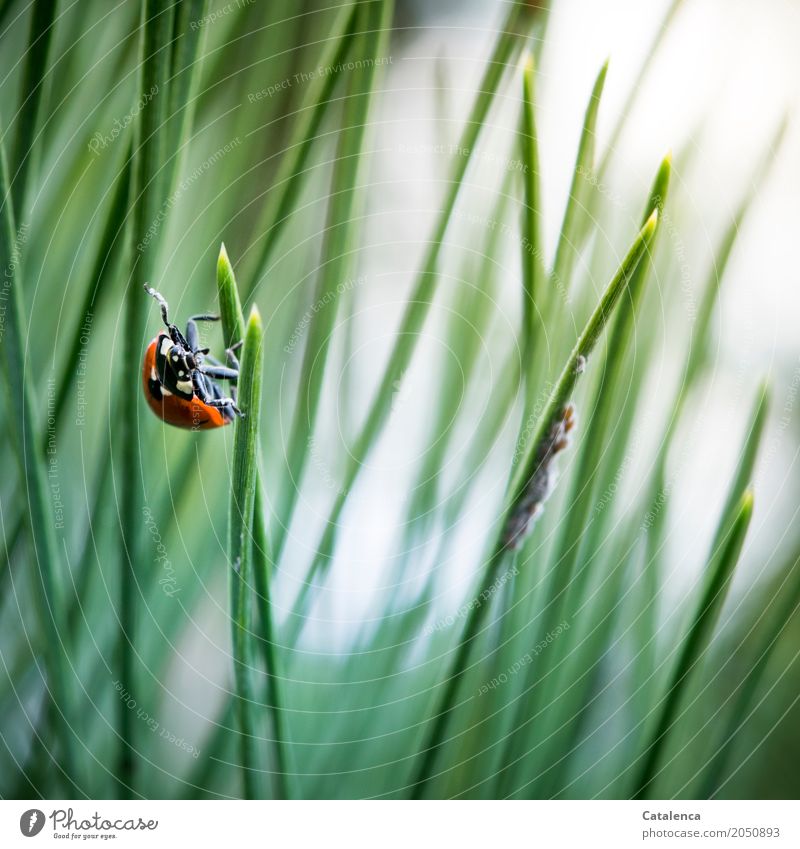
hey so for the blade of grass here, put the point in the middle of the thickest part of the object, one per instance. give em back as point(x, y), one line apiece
point(606, 403)
point(291, 175)
point(580, 354)
point(39, 758)
point(718, 578)
point(645, 623)
point(48, 589)
point(583, 673)
point(111, 243)
point(434, 738)
point(699, 351)
point(696, 359)
point(623, 118)
point(337, 253)
point(243, 487)
point(185, 66)
point(711, 780)
point(10, 541)
point(743, 475)
point(421, 298)
point(32, 88)
point(5, 8)
point(568, 241)
point(472, 305)
point(230, 305)
point(643, 628)
point(147, 196)
point(533, 269)
point(233, 330)
point(274, 696)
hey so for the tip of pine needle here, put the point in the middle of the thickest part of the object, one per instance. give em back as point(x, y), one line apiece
point(254, 319)
point(529, 66)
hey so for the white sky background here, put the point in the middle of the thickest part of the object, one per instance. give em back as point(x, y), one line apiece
point(725, 75)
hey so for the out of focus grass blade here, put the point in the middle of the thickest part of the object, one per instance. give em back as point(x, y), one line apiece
point(110, 241)
point(582, 679)
point(434, 737)
point(580, 353)
point(604, 405)
point(694, 644)
point(656, 524)
point(35, 69)
point(695, 362)
point(743, 476)
point(699, 349)
point(712, 778)
point(189, 36)
point(243, 488)
point(577, 201)
point(291, 174)
point(47, 590)
point(419, 303)
point(149, 151)
point(109, 245)
point(593, 445)
point(337, 258)
point(533, 269)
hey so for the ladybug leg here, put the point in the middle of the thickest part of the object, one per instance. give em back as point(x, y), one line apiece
point(174, 333)
point(233, 363)
point(230, 355)
point(219, 373)
point(192, 334)
point(199, 383)
point(233, 366)
point(222, 373)
point(161, 302)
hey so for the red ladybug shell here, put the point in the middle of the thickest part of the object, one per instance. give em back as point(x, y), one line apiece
point(174, 410)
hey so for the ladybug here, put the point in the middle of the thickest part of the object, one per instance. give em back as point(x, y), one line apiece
point(179, 386)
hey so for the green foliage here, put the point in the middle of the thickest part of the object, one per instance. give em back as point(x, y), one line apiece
point(44, 565)
point(244, 476)
point(719, 573)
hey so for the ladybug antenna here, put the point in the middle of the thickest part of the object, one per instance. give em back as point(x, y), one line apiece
point(162, 302)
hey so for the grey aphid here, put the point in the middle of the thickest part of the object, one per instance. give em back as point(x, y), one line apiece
point(531, 503)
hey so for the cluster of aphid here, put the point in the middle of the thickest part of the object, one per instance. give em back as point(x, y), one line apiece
point(540, 484)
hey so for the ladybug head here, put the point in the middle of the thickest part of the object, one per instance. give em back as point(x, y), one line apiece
point(181, 360)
